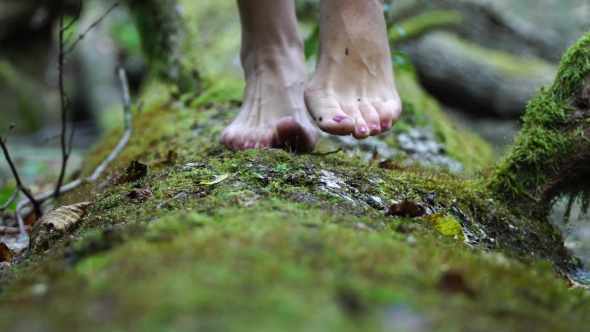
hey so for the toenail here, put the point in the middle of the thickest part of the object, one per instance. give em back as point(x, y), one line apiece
point(251, 145)
point(384, 125)
point(262, 145)
point(374, 127)
point(362, 130)
point(340, 118)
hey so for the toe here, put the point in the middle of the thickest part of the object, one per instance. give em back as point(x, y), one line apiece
point(396, 108)
point(251, 139)
point(293, 135)
point(385, 115)
point(266, 138)
point(371, 118)
point(362, 129)
point(227, 138)
point(335, 121)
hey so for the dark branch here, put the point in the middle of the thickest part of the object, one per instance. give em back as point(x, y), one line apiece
point(82, 35)
point(64, 100)
point(80, 6)
point(19, 184)
point(66, 146)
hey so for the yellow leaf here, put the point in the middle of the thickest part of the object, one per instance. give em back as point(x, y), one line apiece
point(218, 179)
point(447, 225)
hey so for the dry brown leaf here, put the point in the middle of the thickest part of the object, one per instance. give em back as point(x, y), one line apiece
point(5, 254)
point(406, 208)
point(54, 224)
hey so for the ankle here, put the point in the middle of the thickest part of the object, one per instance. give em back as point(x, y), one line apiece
point(272, 56)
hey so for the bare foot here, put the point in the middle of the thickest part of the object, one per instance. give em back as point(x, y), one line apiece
point(353, 89)
point(273, 112)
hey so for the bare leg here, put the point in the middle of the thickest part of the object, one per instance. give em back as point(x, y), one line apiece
point(273, 113)
point(353, 89)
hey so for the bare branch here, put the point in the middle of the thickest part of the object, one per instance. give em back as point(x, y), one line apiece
point(80, 4)
point(97, 22)
point(66, 146)
point(9, 129)
point(126, 135)
point(10, 200)
point(19, 184)
point(98, 171)
point(64, 99)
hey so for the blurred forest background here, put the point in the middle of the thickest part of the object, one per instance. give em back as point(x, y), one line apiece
point(481, 59)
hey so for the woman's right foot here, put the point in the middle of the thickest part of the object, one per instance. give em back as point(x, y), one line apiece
point(273, 112)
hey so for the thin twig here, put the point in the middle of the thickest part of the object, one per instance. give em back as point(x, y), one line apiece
point(98, 171)
point(10, 200)
point(126, 135)
point(78, 14)
point(83, 34)
point(66, 147)
point(8, 131)
point(19, 184)
point(64, 105)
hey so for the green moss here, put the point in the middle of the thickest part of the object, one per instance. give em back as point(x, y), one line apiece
point(276, 267)
point(416, 26)
point(545, 146)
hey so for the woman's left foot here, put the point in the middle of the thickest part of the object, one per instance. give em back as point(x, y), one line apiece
point(353, 89)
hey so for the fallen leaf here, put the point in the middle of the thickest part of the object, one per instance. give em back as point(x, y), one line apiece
point(406, 208)
point(54, 224)
point(140, 195)
point(5, 254)
point(454, 283)
point(218, 178)
point(447, 225)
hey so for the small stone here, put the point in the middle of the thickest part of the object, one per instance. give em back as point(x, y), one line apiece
point(39, 289)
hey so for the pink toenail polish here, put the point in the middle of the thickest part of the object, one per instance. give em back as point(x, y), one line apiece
point(384, 125)
point(340, 118)
point(374, 127)
point(262, 145)
point(362, 130)
point(251, 145)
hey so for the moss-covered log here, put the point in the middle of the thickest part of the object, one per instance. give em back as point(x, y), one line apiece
point(551, 156)
point(474, 78)
point(417, 26)
point(290, 242)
